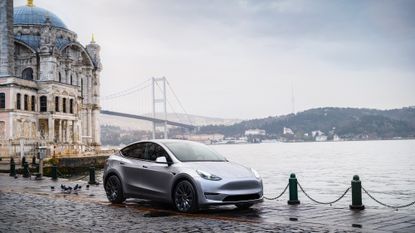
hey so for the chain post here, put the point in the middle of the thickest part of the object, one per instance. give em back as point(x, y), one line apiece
point(54, 172)
point(34, 160)
point(92, 175)
point(12, 167)
point(356, 194)
point(292, 182)
point(26, 172)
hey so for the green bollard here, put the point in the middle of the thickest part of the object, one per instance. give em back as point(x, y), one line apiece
point(92, 175)
point(12, 167)
point(26, 172)
point(356, 194)
point(54, 173)
point(292, 183)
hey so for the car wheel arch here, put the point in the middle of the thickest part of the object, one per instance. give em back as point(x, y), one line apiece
point(113, 173)
point(179, 179)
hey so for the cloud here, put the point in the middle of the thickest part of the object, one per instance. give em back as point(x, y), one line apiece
point(244, 55)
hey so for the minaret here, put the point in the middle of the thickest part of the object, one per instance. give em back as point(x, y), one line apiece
point(93, 50)
point(6, 39)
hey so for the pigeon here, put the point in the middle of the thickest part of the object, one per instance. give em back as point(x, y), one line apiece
point(87, 186)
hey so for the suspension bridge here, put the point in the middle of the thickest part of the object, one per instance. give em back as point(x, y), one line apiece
point(158, 92)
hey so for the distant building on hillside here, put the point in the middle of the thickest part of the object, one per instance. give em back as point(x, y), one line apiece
point(336, 138)
point(288, 131)
point(255, 135)
point(317, 133)
point(321, 138)
point(203, 138)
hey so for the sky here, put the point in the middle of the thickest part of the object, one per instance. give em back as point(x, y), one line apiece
point(248, 58)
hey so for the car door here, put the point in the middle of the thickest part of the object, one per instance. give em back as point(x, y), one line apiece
point(131, 167)
point(157, 178)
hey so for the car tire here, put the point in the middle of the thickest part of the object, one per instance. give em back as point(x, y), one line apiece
point(185, 197)
point(244, 206)
point(113, 190)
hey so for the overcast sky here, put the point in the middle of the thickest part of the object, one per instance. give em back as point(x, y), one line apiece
point(242, 59)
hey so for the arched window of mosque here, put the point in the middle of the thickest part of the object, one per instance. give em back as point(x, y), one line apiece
point(18, 100)
point(2, 100)
point(56, 104)
point(33, 103)
point(43, 104)
point(64, 105)
point(60, 77)
point(71, 80)
point(27, 74)
point(71, 106)
point(26, 102)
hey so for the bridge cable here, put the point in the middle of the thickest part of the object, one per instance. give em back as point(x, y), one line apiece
point(178, 100)
point(128, 90)
point(171, 106)
point(122, 94)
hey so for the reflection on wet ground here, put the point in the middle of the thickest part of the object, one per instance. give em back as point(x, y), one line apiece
point(266, 214)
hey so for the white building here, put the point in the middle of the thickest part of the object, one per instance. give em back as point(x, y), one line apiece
point(255, 132)
point(287, 131)
point(49, 82)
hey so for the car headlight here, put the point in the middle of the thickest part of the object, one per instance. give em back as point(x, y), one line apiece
point(256, 174)
point(208, 176)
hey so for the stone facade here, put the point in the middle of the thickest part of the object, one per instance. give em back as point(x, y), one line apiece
point(49, 84)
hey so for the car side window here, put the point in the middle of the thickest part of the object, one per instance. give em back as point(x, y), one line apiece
point(154, 151)
point(136, 151)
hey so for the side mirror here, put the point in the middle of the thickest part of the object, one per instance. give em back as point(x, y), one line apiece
point(161, 159)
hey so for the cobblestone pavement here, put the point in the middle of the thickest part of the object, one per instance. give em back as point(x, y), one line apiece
point(31, 206)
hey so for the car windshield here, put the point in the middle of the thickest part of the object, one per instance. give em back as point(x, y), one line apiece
point(186, 151)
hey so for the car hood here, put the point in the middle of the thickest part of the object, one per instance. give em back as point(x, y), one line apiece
point(221, 169)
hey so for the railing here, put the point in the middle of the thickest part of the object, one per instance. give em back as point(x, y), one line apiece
point(355, 187)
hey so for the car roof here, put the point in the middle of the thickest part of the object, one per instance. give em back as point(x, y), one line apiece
point(161, 141)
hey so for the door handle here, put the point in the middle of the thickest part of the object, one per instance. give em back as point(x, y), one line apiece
point(144, 166)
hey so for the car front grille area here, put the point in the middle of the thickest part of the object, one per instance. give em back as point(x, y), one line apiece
point(246, 197)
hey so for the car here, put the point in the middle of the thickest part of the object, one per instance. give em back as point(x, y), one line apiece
point(187, 174)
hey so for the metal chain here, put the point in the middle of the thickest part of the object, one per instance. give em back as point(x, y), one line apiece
point(274, 198)
point(390, 206)
point(320, 202)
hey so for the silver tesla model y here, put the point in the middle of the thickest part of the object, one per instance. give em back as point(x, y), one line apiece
point(187, 174)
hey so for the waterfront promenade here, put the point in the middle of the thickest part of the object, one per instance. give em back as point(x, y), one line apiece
point(31, 205)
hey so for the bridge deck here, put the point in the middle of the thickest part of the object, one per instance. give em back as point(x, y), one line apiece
point(145, 118)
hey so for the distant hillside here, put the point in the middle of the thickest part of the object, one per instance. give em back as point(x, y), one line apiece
point(348, 123)
point(134, 124)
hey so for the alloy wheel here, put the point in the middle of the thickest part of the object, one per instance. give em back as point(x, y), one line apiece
point(185, 197)
point(113, 190)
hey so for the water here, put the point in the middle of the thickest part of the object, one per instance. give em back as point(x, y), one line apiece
point(325, 169)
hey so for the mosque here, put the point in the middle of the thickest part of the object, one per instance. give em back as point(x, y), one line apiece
point(49, 84)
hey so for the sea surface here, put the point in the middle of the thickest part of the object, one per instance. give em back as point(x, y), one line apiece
point(325, 169)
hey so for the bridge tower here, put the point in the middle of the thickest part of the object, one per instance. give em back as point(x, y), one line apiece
point(159, 98)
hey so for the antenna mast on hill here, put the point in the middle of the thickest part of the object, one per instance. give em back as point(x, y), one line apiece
point(292, 98)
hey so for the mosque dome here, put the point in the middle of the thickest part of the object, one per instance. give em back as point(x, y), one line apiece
point(32, 15)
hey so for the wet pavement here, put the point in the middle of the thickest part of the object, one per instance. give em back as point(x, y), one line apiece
point(29, 205)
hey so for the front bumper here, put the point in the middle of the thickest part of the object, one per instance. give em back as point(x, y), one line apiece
point(226, 191)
